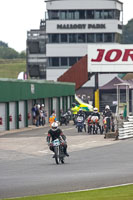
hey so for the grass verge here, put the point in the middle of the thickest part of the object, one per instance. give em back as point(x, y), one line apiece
point(12, 67)
point(113, 193)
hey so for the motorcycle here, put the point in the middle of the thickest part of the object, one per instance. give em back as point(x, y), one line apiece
point(80, 124)
point(95, 124)
point(58, 150)
point(64, 119)
point(89, 124)
point(108, 124)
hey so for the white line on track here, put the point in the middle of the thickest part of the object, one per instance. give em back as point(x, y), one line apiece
point(99, 188)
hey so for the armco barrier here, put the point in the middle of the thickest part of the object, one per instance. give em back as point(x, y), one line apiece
point(126, 131)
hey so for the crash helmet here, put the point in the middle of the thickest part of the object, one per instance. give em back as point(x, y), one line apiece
point(95, 110)
point(42, 105)
point(38, 106)
point(107, 107)
point(54, 126)
point(80, 110)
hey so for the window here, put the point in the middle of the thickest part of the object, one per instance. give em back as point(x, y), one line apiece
point(90, 14)
point(90, 37)
point(108, 37)
point(63, 14)
point(55, 61)
point(63, 38)
point(98, 14)
point(72, 61)
point(117, 14)
point(33, 47)
point(111, 14)
point(81, 14)
point(77, 14)
point(54, 14)
point(81, 38)
point(42, 46)
point(99, 37)
point(108, 14)
point(71, 14)
point(64, 61)
point(72, 38)
point(55, 38)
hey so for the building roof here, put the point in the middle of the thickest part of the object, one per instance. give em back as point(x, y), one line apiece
point(116, 80)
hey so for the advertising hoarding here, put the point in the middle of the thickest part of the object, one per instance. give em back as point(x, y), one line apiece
point(110, 58)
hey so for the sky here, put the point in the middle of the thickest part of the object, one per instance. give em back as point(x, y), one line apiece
point(19, 16)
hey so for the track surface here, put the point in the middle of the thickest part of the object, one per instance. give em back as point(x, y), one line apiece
point(27, 166)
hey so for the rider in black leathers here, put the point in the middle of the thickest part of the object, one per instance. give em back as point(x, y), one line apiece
point(108, 113)
point(97, 114)
point(55, 133)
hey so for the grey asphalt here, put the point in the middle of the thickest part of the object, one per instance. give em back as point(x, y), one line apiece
point(27, 167)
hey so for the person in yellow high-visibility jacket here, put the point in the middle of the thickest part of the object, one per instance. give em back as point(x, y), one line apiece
point(75, 108)
point(52, 119)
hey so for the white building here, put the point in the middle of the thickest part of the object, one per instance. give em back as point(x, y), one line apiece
point(73, 24)
point(70, 26)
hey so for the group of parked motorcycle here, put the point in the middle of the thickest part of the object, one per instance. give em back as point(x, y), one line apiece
point(94, 125)
point(91, 124)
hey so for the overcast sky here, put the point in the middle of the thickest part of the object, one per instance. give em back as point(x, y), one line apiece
point(19, 16)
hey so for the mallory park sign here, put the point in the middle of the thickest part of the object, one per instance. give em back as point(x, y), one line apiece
point(81, 26)
point(113, 58)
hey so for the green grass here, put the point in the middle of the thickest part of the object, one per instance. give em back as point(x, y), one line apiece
point(114, 193)
point(10, 68)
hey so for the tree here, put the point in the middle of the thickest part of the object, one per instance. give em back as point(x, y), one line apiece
point(3, 44)
point(127, 36)
point(8, 53)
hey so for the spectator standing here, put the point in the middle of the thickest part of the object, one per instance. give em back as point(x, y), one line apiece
point(34, 114)
point(37, 115)
point(43, 115)
point(52, 119)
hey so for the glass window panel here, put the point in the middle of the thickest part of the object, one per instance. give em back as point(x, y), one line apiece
point(99, 37)
point(90, 14)
point(72, 60)
point(108, 14)
point(55, 38)
point(63, 38)
point(33, 47)
point(76, 14)
point(71, 14)
point(108, 37)
point(81, 38)
point(54, 14)
point(111, 14)
point(90, 37)
point(81, 14)
point(98, 14)
point(55, 61)
point(63, 14)
point(72, 38)
point(49, 14)
point(117, 14)
point(42, 46)
point(64, 61)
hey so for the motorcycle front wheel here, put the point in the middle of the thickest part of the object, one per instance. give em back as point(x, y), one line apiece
point(56, 150)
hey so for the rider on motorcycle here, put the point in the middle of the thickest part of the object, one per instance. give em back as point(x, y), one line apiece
point(81, 114)
point(96, 114)
point(55, 133)
point(108, 113)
